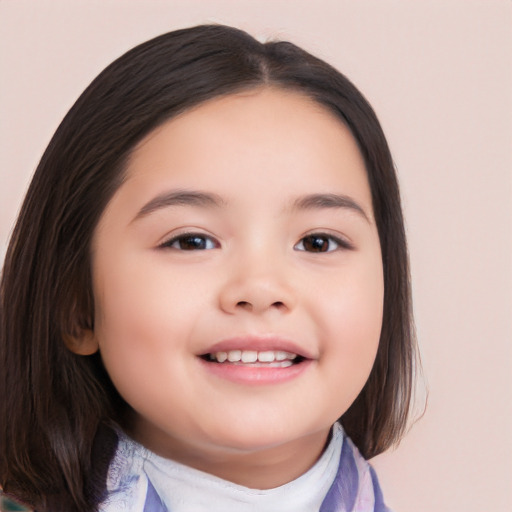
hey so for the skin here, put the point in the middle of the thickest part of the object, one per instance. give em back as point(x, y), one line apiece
point(158, 307)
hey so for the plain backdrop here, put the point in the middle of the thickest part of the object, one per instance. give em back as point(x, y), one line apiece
point(438, 73)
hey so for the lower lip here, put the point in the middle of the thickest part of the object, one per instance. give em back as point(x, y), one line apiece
point(252, 375)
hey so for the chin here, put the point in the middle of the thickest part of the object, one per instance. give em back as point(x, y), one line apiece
point(245, 436)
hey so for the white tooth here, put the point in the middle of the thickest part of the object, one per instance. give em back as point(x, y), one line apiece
point(249, 356)
point(221, 356)
point(266, 357)
point(234, 356)
point(281, 364)
point(290, 355)
point(280, 355)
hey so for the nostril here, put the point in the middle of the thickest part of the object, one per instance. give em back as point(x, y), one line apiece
point(256, 306)
point(247, 305)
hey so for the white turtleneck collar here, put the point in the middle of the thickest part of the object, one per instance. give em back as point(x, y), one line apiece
point(183, 489)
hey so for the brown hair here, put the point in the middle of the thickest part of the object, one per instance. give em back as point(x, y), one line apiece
point(57, 407)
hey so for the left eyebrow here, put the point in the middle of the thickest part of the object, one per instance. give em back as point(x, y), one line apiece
point(180, 198)
point(326, 201)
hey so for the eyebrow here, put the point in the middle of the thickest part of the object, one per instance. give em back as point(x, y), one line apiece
point(180, 198)
point(321, 201)
point(209, 200)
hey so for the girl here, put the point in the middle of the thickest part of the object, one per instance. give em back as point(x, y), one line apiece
point(205, 303)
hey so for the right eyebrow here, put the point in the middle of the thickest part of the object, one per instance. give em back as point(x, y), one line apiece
point(180, 198)
point(326, 201)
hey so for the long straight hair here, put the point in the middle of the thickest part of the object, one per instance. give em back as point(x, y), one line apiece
point(58, 409)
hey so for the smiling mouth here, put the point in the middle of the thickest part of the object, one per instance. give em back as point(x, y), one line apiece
point(255, 359)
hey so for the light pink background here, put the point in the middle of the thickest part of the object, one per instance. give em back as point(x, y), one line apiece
point(438, 73)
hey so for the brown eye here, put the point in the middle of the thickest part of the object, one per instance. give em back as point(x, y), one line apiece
point(191, 242)
point(321, 243)
point(315, 243)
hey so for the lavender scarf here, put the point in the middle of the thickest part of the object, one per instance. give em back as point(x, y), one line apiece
point(355, 488)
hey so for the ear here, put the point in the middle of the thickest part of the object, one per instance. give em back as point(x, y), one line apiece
point(84, 343)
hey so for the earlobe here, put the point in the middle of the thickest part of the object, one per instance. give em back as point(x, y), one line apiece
point(83, 344)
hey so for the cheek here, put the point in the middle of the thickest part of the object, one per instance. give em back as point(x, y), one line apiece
point(353, 327)
point(142, 323)
point(147, 315)
point(355, 334)
point(366, 309)
point(141, 299)
point(356, 297)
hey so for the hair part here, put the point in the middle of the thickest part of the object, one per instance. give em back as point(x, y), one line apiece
point(59, 409)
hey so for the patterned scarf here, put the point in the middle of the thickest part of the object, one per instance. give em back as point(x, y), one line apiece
point(355, 488)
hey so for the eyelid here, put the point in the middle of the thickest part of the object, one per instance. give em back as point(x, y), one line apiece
point(343, 242)
point(187, 233)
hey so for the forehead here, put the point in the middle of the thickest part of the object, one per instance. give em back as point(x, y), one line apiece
point(263, 113)
point(262, 142)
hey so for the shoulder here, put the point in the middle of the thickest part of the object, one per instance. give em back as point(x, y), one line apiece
point(9, 504)
point(356, 486)
point(127, 483)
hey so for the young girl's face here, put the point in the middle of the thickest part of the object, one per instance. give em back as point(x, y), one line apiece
point(244, 231)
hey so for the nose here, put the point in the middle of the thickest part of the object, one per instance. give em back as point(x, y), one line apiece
point(257, 287)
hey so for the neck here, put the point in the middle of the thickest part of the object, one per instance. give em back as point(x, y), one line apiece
point(264, 468)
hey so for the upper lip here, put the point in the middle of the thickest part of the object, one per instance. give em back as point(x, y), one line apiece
point(259, 344)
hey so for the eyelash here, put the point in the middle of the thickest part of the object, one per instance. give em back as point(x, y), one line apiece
point(324, 238)
point(202, 242)
point(199, 239)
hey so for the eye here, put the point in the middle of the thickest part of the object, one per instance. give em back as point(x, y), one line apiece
point(321, 242)
point(191, 242)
